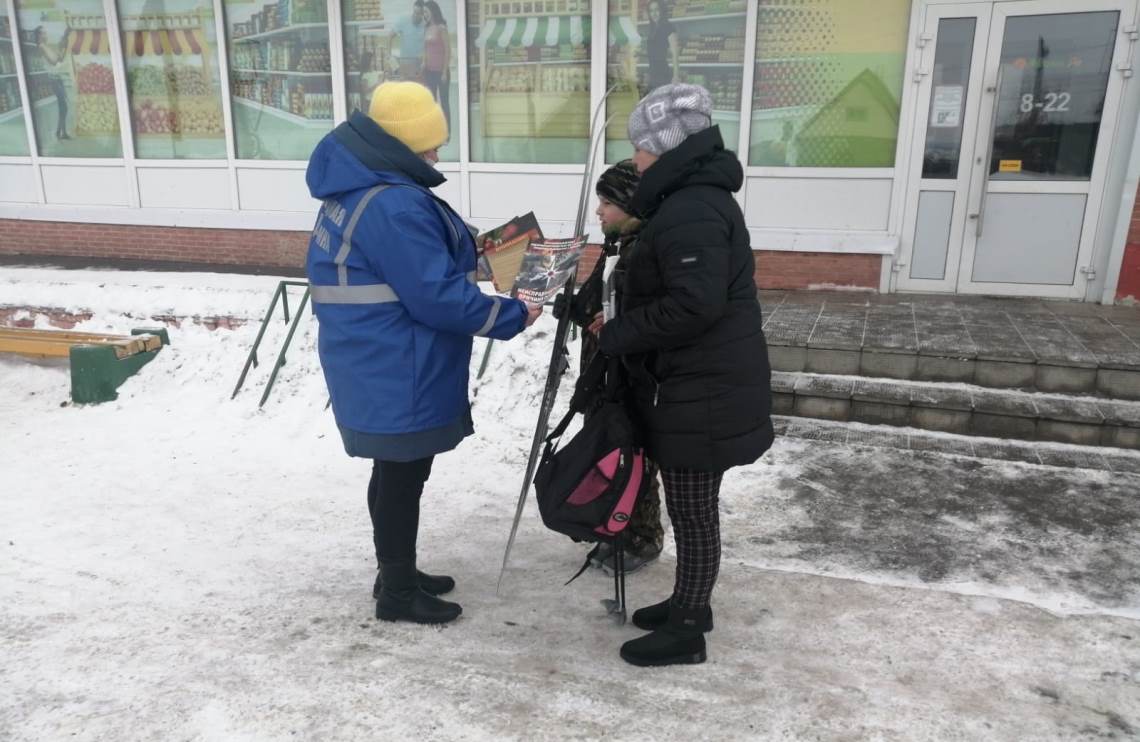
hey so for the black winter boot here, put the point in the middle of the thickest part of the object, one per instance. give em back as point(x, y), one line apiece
point(679, 642)
point(401, 598)
point(430, 584)
point(654, 617)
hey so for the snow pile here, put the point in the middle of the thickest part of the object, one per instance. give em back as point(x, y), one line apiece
point(177, 565)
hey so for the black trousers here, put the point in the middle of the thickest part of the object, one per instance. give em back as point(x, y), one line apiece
point(693, 499)
point(440, 88)
point(60, 91)
point(394, 506)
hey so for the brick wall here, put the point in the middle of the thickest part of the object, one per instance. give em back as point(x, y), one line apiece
point(223, 247)
point(282, 249)
point(1129, 285)
point(799, 270)
point(803, 270)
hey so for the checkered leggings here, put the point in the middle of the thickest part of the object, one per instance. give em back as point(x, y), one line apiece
point(693, 500)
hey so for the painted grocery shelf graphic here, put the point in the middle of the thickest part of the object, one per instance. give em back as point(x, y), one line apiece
point(9, 115)
point(285, 115)
point(280, 31)
point(694, 18)
point(285, 73)
point(734, 65)
point(518, 62)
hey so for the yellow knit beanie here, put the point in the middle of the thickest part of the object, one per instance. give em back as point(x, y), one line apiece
point(407, 111)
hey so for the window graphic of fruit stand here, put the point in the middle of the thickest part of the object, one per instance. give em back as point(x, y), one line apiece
point(280, 77)
point(534, 69)
point(96, 114)
point(175, 108)
point(13, 136)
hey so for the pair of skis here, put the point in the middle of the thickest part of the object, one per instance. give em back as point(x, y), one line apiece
point(558, 357)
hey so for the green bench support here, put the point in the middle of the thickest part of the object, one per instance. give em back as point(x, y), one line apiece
point(97, 372)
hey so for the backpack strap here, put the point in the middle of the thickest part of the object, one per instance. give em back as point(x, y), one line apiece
point(585, 564)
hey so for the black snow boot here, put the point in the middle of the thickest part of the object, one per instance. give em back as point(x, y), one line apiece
point(402, 599)
point(430, 584)
point(679, 642)
point(654, 617)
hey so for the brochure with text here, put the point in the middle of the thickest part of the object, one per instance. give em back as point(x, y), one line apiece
point(546, 267)
point(501, 250)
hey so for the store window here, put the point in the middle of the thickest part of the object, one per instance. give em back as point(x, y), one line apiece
point(529, 62)
point(657, 42)
point(67, 60)
point(171, 54)
point(400, 40)
point(828, 82)
point(13, 135)
point(280, 79)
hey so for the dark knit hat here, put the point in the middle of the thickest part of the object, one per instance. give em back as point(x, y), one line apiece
point(618, 184)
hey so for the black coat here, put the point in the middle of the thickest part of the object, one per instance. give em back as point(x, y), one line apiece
point(690, 329)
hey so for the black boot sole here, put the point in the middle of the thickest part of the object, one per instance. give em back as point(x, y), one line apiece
point(376, 592)
point(684, 659)
point(393, 616)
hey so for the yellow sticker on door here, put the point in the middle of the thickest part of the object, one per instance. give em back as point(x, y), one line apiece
point(1009, 166)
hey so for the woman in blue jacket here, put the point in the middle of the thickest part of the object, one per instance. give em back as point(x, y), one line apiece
point(392, 275)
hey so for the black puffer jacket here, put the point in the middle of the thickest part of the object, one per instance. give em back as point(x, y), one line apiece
point(690, 330)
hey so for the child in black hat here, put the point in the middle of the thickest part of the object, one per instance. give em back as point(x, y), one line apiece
point(615, 190)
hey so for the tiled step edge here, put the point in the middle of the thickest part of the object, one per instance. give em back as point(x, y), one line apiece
point(926, 442)
point(1119, 382)
point(959, 409)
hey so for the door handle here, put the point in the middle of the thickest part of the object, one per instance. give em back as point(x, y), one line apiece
point(980, 217)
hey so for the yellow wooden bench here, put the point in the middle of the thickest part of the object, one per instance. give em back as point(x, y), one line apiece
point(58, 343)
point(99, 362)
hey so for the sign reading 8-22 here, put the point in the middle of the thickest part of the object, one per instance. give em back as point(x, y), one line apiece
point(1049, 103)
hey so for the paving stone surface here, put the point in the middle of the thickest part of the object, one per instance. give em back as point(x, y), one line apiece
point(1069, 409)
point(1104, 340)
point(1004, 403)
point(948, 398)
point(871, 390)
point(999, 340)
point(835, 387)
point(891, 328)
point(792, 323)
point(839, 327)
point(1051, 342)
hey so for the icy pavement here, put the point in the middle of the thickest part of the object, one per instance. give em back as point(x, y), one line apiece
point(179, 566)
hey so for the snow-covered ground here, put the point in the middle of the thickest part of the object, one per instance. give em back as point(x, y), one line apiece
point(175, 565)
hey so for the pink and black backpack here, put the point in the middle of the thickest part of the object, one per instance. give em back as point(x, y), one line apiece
point(587, 489)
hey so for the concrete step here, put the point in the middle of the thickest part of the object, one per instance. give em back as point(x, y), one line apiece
point(1054, 347)
point(961, 409)
point(924, 442)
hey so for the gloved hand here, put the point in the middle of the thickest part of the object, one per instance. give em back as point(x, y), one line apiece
point(561, 306)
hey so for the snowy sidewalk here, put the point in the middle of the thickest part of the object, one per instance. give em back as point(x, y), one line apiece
point(176, 565)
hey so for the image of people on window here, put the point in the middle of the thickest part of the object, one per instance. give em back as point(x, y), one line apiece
point(412, 31)
point(55, 61)
point(437, 58)
point(662, 47)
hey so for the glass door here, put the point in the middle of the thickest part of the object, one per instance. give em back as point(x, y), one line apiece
point(1023, 101)
point(950, 75)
